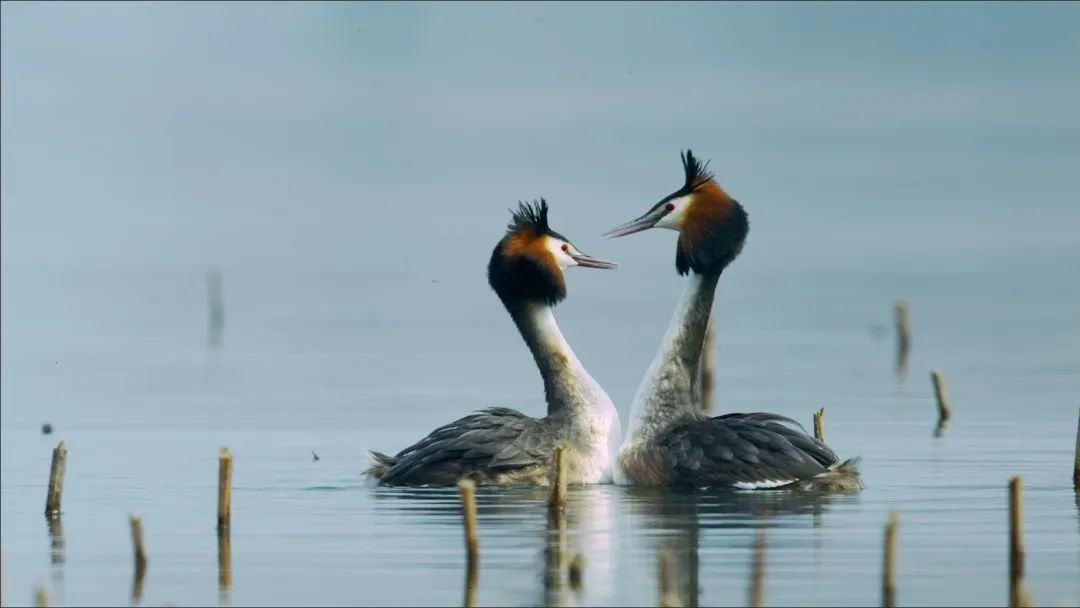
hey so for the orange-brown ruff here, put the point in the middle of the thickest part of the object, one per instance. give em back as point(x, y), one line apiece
point(502, 446)
point(670, 440)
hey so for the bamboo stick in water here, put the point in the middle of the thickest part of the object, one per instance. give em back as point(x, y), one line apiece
point(888, 583)
point(1076, 459)
point(1017, 596)
point(903, 335)
point(557, 497)
point(224, 506)
point(942, 397)
point(467, 492)
point(819, 423)
point(140, 557)
point(224, 562)
point(56, 481)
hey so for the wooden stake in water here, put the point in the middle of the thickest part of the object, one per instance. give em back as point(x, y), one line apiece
point(557, 497)
point(819, 419)
point(467, 491)
point(706, 371)
point(140, 557)
point(757, 574)
point(56, 481)
point(942, 401)
point(903, 335)
point(1016, 545)
point(224, 562)
point(888, 583)
point(1076, 459)
point(224, 501)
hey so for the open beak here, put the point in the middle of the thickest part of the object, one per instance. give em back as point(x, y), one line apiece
point(642, 223)
point(588, 261)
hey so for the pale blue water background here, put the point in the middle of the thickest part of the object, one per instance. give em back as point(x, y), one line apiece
point(348, 168)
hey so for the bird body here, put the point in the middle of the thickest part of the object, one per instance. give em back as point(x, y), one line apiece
point(670, 441)
point(502, 446)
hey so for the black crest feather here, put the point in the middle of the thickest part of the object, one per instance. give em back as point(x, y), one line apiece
point(523, 277)
point(696, 172)
point(530, 215)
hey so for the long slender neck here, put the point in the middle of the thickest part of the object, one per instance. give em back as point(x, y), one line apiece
point(666, 392)
point(567, 386)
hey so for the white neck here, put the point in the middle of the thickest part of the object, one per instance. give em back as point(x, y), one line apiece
point(571, 392)
point(666, 392)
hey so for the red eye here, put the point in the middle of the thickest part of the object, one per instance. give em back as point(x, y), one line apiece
point(670, 206)
point(566, 248)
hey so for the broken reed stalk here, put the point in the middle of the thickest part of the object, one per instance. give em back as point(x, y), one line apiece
point(140, 556)
point(757, 574)
point(470, 587)
point(56, 480)
point(224, 561)
point(942, 397)
point(467, 491)
point(903, 334)
point(1016, 545)
point(819, 430)
point(224, 501)
point(706, 364)
point(1076, 459)
point(888, 583)
point(557, 497)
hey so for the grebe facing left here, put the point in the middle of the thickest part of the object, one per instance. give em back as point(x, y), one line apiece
point(670, 440)
point(501, 446)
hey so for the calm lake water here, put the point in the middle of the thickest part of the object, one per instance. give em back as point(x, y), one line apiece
point(347, 167)
point(144, 404)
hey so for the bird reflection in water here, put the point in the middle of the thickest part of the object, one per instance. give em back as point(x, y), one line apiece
point(589, 526)
point(56, 550)
point(679, 515)
point(584, 528)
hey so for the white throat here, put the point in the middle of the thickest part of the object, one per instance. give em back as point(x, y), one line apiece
point(666, 392)
point(573, 392)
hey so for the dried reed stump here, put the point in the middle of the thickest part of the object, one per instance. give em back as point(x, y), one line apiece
point(56, 481)
point(888, 582)
point(224, 503)
point(819, 420)
point(942, 396)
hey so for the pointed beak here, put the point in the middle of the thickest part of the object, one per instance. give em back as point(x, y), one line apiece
point(642, 223)
point(588, 261)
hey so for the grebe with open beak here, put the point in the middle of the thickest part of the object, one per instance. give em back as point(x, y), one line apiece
point(501, 446)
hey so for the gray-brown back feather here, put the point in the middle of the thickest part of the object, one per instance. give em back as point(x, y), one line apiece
point(744, 448)
point(483, 446)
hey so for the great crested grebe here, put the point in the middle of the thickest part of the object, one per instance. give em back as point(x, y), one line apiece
point(501, 446)
point(670, 440)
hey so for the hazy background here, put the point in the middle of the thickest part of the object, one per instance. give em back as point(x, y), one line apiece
point(380, 145)
point(348, 166)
